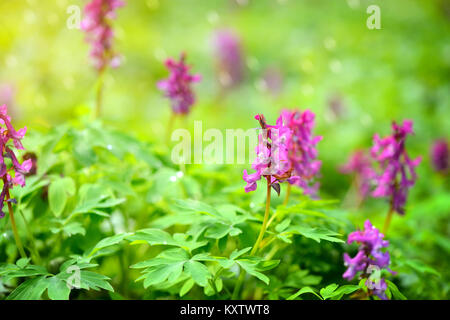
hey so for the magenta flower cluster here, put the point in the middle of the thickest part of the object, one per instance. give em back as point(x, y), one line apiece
point(302, 152)
point(271, 160)
point(230, 63)
point(440, 156)
point(360, 165)
point(177, 87)
point(397, 169)
point(15, 173)
point(99, 32)
point(369, 258)
point(286, 152)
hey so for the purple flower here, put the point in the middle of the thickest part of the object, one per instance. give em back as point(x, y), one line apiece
point(302, 152)
point(397, 169)
point(228, 52)
point(360, 165)
point(272, 159)
point(439, 156)
point(17, 170)
point(177, 87)
point(369, 259)
point(99, 33)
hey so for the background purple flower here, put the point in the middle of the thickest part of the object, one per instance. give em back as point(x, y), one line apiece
point(273, 80)
point(177, 87)
point(302, 149)
point(439, 156)
point(99, 32)
point(397, 171)
point(229, 58)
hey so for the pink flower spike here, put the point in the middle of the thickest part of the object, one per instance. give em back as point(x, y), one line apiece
point(177, 87)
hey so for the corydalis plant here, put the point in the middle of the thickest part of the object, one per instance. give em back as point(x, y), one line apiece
point(177, 87)
point(440, 156)
point(272, 156)
point(302, 152)
point(370, 259)
point(397, 171)
point(14, 173)
point(100, 35)
point(272, 163)
point(228, 52)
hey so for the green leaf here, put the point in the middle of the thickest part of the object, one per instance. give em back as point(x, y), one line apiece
point(22, 262)
point(198, 271)
point(314, 233)
point(197, 206)
point(394, 290)
point(251, 268)
point(92, 197)
point(187, 286)
point(303, 291)
point(27, 271)
point(58, 289)
point(236, 254)
point(283, 225)
point(57, 196)
point(328, 291)
point(338, 293)
point(162, 272)
point(95, 281)
point(31, 289)
point(160, 237)
point(110, 241)
point(168, 265)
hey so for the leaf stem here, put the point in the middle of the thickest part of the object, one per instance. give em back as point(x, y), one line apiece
point(13, 223)
point(288, 193)
point(99, 95)
point(266, 218)
point(241, 278)
point(387, 222)
point(170, 127)
point(37, 257)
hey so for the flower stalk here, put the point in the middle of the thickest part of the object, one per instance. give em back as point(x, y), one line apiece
point(13, 223)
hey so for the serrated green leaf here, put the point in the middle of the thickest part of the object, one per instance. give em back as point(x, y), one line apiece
point(198, 271)
point(31, 289)
point(58, 289)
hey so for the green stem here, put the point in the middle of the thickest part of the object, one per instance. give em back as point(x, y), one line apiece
point(37, 257)
point(170, 128)
point(99, 95)
point(387, 222)
point(13, 224)
point(288, 193)
point(266, 219)
point(241, 278)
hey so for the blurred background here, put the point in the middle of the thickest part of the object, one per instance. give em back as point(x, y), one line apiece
point(313, 54)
